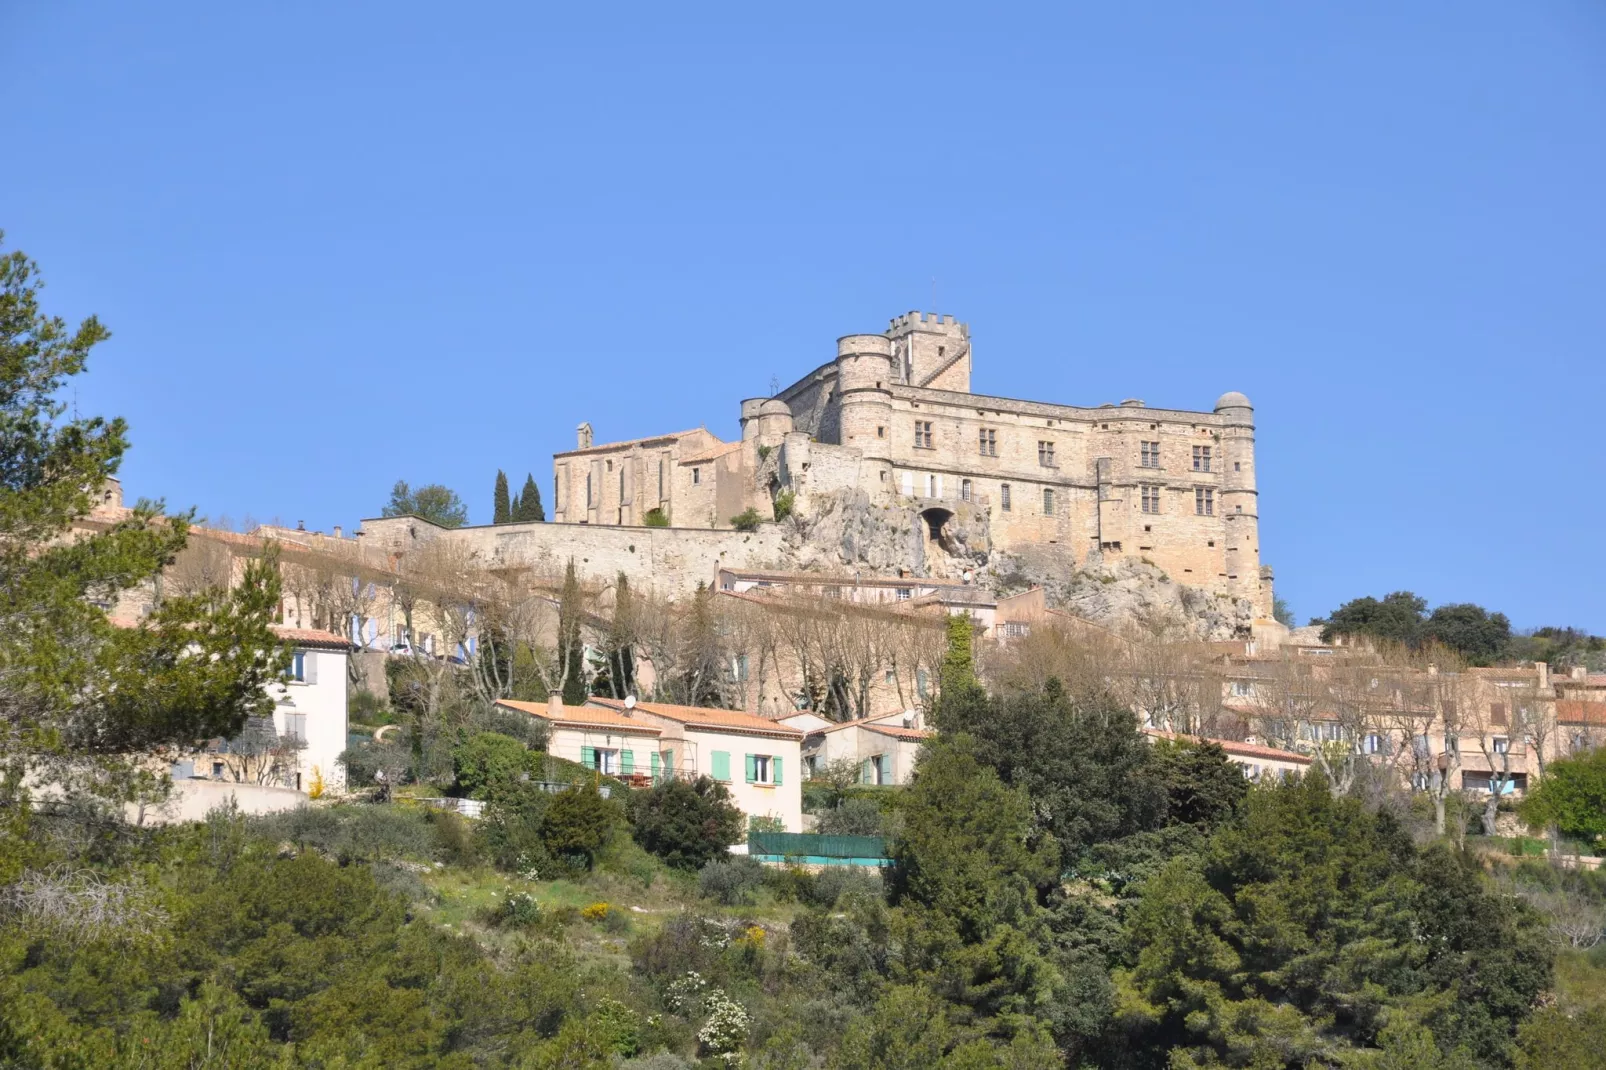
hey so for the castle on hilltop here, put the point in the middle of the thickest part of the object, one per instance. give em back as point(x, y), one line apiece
point(893, 417)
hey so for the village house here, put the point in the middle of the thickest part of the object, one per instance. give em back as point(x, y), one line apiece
point(883, 749)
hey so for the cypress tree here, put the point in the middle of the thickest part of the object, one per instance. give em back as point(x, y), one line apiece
point(530, 510)
point(501, 510)
point(571, 641)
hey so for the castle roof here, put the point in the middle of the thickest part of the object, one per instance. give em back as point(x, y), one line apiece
point(1232, 400)
point(604, 447)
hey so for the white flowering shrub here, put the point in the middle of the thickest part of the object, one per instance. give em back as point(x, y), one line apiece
point(722, 1035)
point(684, 992)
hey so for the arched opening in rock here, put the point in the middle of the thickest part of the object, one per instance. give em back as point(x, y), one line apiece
point(937, 530)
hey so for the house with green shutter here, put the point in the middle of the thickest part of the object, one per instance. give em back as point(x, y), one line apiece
point(883, 749)
point(605, 740)
point(758, 760)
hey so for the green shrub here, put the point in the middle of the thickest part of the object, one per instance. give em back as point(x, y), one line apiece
point(354, 832)
point(519, 911)
point(488, 759)
point(365, 707)
point(747, 520)
point(852, 817)
point(731, 882)
point(655, 518)
point(577, 822)
point(784, 504)
point(364, 760)
point(687, 823)
point(456, 838)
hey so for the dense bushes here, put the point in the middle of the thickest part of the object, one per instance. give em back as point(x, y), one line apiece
point(687, 823)
point(488, 759)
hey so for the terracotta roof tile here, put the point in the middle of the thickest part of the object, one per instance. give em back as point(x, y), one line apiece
point(1580, 711)
point(581, 716)
point(705, 717)
point(897, 731)
point(312, 637)
point(1232, 746)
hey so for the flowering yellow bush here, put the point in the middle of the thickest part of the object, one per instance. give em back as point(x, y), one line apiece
point(315, 789)
point(753, 934)
point(596, 912)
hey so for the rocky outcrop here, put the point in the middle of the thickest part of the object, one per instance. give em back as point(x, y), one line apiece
point(847, 531)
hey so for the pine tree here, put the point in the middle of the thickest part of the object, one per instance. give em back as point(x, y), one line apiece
point(571, 640)
point(530, 510)
point(501, 510)
point(80, 696)
point(621, 670)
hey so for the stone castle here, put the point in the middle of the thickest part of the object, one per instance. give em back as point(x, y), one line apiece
point(892, 419)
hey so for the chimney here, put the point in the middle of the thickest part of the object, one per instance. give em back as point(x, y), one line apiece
point(554, 702)
point(338, 532)
point(301, 525)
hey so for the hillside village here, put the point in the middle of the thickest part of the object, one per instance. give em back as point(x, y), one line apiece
point(915, 728)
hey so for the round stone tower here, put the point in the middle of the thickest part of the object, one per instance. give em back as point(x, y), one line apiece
point(774, 422)
point(1240, 505)
point(864, 378)
point(750, 408)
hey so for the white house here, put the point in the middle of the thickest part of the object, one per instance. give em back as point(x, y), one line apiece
point(310, 704)
point(760, 761)
point(608, 741)
point(883, 748)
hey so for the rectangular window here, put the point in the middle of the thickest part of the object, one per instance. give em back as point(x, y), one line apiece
point(298, 666)
point(1149, 455)
point(1371, 743)
point(1502, 745)
point(964, 490)
point(739, 667)
point(1045, 454)
point(660, 479)
point(1204, 501)
point(1201, 458)
point(295, 726)
point(1151, 498)
point(696, 476)
point(763, 769)
point(923, 436)
point(1242, 689)
point(1003, 497)
point(1497, 712)
point(603, 759)
point(922, 683)
point(1016, 629)
point(989, 442)
point(1048, 501)
point(905, 593)
point(588, 490)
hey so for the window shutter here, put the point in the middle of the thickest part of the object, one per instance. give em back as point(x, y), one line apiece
point(722, 765)
point(1497, 712)
point(752, 771)
point(936, 485)
point(653, 763)
point(864, 772)
point(627, 762)
point(588, 757)
point(775, 769)
point(908, 484)
point(309, 668)
point(886, 769)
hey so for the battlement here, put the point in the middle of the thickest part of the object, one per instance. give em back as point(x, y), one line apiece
point(927, 321)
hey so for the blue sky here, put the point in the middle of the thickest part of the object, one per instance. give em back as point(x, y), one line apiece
point(341, 244)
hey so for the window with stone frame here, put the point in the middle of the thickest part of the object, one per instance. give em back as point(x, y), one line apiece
point(1048, 501)
point(1045, 453)
point(1003, 496)
point(964, 490)
point(987, 442)
point(1149, 455)
point(924, 440)
point(1151, 497)
point(1204, 501)
point(1201, 458)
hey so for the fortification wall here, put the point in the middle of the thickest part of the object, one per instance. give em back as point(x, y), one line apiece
point(669, 560)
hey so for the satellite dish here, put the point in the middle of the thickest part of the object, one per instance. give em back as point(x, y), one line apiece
point(630, 702)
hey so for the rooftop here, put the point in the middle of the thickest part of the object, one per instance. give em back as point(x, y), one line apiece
point(604, 447)
point(1233, 746)
point(315, 638)
point(581, 716)
point(706, 718)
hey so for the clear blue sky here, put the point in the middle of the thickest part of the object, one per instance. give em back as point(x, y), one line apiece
point(341, 244)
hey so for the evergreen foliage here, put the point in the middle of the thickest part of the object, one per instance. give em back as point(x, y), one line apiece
point(687, 823)
point(501, 506)
point(571, 641)
point(432, 502)
point(529, 508)
point(1572, 797)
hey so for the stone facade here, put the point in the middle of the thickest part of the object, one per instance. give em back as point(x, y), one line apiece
point(893, 417)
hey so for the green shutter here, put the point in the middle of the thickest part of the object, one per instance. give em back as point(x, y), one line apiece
point(886, 769)
point(654, 764)
point(627, 762)
point(775, 770)
point(752, 772)
point(722, 765)
point(588, 757)
point(864, 772)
